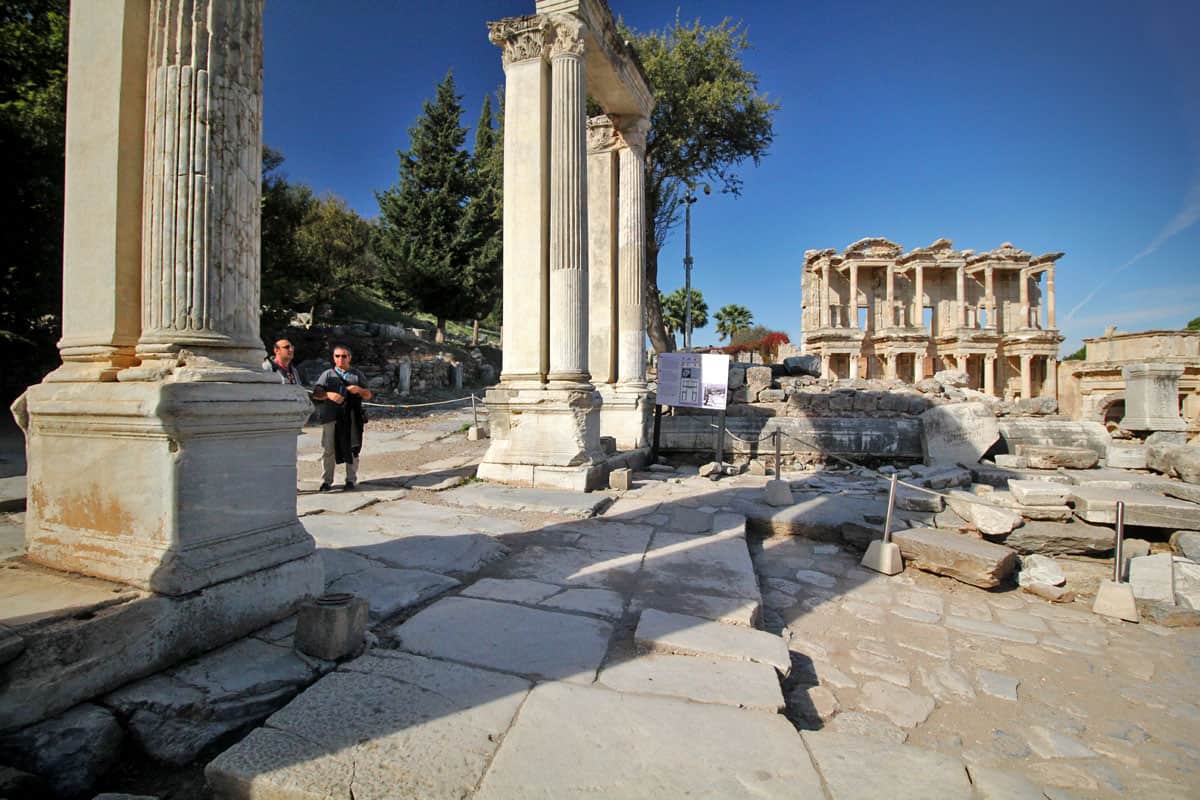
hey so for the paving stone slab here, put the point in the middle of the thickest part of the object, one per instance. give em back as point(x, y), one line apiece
point(902, 706)
point(510, 498)
point(729, 610)
point(603, 535)
point(389, 590)
point(511, 591)
point(387, 725)
point(637, 747)
point(1098, 504)
point(857, 768)
point(1039, 493)
point(719, 564)
point(12, 536)
point(742, 684)
point(963, 558)
point(663, 632)
point(990, 629)
point(861, 725)
point(333, 502)
point(570, 566)
point(176, 714)
point(597, 602)
point(525, 641)
point(995, 784)
point(12, 493)
point(436, 482)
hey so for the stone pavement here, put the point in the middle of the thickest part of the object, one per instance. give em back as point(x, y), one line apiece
point(648, 651)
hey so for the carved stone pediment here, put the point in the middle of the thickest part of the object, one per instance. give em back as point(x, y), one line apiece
point(874, 247)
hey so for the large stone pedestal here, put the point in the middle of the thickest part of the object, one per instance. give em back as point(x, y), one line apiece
point(1152, 397)
point(167, 486)
point(544, 437)
point(625, 415)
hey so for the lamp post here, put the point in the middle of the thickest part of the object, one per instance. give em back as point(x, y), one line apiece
point(688, 198)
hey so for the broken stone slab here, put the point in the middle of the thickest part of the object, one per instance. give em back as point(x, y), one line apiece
point(1061, 538)
point(963, 558)
point(742, 684)
point(1125, 455)
point(1050, 457)
point(778, 493)
point(998, 476)
point(642, 747)
point(176, 714)
point(69, 752)
point(957, 433)
point(1181, 491)
point(913, 500)
point(984, 516)
point(1153, 578)
point(333, 502)
point(1187, 583)
point(1039, 493)
point(1187, 544)
point(388, 724)
point(1096, 504)
point(858, 768)
point(1055, 594)
point(728, 610)
point(1040, 569)
point(511, 498)
point(524, 641)
point(719, 565)
point(902, 706)
point(621, 479)
point(516, 590)
point(945, 477)
point(663, 632)
point(1060, 513)
point(597, 602)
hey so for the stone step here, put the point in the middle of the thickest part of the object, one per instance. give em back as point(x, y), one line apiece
point(1098, 504)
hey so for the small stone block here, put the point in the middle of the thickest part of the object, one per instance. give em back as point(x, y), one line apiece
point(475, 433)
point(1055, 594)
point(778, 493)
point(1115, 600)
point(621, 479)
point(883, 557)
point(331, 627)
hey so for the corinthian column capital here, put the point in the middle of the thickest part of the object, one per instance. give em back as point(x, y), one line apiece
point(521, 38)
point(568, 35)
point(633, 132)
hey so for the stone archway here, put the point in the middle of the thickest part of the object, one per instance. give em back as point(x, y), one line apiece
point(1111, 408)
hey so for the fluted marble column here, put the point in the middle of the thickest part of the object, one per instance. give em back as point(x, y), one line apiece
point(1023, 295)
point(825, 323)
point(568, 205)
point(201, 196)
point(960, 295)
point(603, 240)
point(631, 284)
point(918, 318)
point(889, 314)
point(1050, 320)
point(989, 295)
point(852, 305)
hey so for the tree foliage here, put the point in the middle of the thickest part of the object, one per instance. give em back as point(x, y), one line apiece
point(675, 310)
point(432, 245)
point(1194, 324)
point(483, 222)
point(732, 318)
point(709, 119)
point(284, 207)
point(1078, 355)
point(33, 70)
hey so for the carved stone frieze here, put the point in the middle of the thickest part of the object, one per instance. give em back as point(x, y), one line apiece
point(601, 134)
point(521, 38)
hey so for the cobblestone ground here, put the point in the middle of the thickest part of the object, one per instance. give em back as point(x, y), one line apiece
point(1000, 678)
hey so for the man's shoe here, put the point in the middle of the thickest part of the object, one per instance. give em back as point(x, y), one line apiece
point(349, 486)
point(325, 487)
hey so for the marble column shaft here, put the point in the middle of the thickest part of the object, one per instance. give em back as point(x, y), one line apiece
point(989, 296)
point(825, 296)
point(960, 293)
point(918, 320)
point(201, 195)
point(853, 301)
point(1050, 321)
point(1026, 376)
point(526, 328)
point(631, 283)
point(603, 257)
point(568, 206)
point(1023, 282)
point(889, 314)
point(989, 375)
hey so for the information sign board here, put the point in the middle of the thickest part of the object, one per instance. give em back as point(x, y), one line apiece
point(694, 380)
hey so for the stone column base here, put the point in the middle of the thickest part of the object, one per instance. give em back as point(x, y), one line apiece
point(626, 414)
point(544, 437)
point(167, 486)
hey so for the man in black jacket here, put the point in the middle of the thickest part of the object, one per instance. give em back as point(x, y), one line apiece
point(342, 417)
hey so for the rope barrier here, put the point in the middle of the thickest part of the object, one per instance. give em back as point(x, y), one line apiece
point(466, 399)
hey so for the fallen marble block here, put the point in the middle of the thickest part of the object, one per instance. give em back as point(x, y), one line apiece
point(1153, 578)
point(1040, 569)
point(1061, 538)
point(986, 517)
point(1059, 513)
point(1049, 457)
point(1098, 504)
point(1177, 460)
point(955, 555)
point(1125, 455)
point(1039, 493)
point(958, 433)
point(1187, 544)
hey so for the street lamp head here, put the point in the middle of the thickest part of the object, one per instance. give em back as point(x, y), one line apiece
point(707, 189)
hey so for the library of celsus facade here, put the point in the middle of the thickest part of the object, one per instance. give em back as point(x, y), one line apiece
point(874, 311)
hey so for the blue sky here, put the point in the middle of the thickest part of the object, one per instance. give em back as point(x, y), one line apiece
point(1057, 126)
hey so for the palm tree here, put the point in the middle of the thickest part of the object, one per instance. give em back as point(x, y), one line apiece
point(673, 310)
point(733, 318)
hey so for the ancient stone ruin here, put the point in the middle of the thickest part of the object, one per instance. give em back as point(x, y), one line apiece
point(574, 248)
point(875, 311)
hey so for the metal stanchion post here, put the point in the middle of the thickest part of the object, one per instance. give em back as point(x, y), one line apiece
point(778, 456)
point(1115, 598)
point(883, 555)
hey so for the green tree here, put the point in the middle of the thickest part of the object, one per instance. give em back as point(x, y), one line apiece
point(285, 206)
point(33, 71)
point(424, 248)
point(1078, 355)
point(750, 334)
point(483, 222)
point(333, 253)
point(1194, 324)
point(731, 319)
point(708, 120)
point(675, 311)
